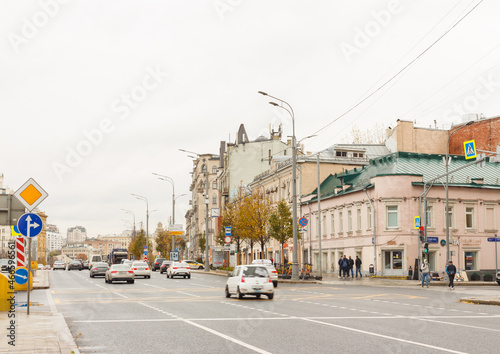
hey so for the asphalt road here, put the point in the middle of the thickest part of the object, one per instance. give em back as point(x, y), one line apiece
point(161, 315)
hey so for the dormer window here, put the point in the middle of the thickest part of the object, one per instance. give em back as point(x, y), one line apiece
point(341, 153)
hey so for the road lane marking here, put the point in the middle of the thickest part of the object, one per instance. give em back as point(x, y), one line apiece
point(155, 286)
point(382, 336)
point(207, 286)
point(126, 297)
point(459, 324)
point(180, 292)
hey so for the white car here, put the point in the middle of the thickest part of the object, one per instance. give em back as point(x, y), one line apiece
point(59, 265)
point(141, 269)
point(251, 279)
point(179, 269)
point(270, 267)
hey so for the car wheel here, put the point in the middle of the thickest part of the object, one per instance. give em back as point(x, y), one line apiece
point(200, 267)
point(275, 283)
point(189, 276)
point(91, 276)
point(161, 272)
point(238, 293)
point(258, 296)
point(270, 296)
point(185, 276)
point(105, 280)
point(228, 294)
point(132, 282)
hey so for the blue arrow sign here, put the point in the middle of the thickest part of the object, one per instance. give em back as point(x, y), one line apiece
point(30, 225)
point(21, 276)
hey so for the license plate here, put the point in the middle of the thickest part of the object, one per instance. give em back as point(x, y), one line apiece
point(122, 272)
point(257, 288)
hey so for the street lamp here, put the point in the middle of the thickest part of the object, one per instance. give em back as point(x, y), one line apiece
point(147, 220)
point(133, 216)
point(446, 163)
point(168, 179)
point(295, 263)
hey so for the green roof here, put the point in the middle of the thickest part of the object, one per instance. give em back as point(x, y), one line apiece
point(429, 166)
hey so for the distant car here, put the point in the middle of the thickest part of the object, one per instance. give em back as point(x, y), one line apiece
point(119, 272)
point(141, 269)
point(40, 266)
point(59, 265)
point(98, 268)
point(157, 264)
point(270, 267)
point(194, 264)
point(86, 264)
point(5, 264)
point(251, 279)
point(164, 266)
point(47, 267)
point(179, 269)
point(75, 265)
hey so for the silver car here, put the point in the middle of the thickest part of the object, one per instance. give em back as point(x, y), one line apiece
point(59, 265)
point(119, 272)
point(98, 268)
point(179, 269)
point(141, 269)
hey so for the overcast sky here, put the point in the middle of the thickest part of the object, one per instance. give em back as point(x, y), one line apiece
point(98, 95)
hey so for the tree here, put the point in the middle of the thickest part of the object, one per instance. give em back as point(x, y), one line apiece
point(82, 256)
point(281, 224)
point(252, 219)
point(202, 241)
point(373, 135)
point(136, 247)
point(163, 243)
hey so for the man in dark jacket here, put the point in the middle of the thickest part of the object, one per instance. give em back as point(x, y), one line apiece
point(345, 267)
point(351, 267)
point(340, 267)
point(451, 270)
point(358, 267)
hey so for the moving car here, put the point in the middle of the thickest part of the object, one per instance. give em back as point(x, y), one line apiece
point(270, 267)
point(141, 269)
point(76, 264)
point(59, 265)
point(179, 269)
point(157, 264)
point(164, 266)
point(194, 264)
point(99, 268)
point(86, 264)
point(119, 272)
point(127, 262)
point(252, 279)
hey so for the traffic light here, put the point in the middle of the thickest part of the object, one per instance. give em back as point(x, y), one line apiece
point(422, 234)
point(426, 248)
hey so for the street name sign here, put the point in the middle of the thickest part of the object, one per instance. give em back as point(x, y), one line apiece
point(31, 194)
point(432, 239)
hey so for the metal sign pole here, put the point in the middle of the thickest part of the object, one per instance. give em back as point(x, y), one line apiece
point(496, 257)
point(29, 268)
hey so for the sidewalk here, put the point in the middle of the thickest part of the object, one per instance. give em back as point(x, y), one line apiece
point(42, 331)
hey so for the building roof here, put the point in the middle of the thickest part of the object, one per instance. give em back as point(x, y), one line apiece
point(429, 166)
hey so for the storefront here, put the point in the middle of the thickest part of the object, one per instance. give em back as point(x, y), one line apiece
point(392, 261)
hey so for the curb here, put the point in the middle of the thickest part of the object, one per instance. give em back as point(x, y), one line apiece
point(480, 302)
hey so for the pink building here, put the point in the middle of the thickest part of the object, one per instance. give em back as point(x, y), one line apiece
point(370, 212)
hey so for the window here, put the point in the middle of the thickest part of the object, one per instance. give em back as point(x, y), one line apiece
point(392, 217)
point(341, 222)
point(204, 168)
point(429, 220)
point(214, 169)
point(469, 217)
point(333, 223)
point(214, 185)
point(450, 216)
point(490, 218)
point(369, 218)
point(323, 224)
point(214, 199)
point(341, 153)
point(358, 219)
point(349, 220)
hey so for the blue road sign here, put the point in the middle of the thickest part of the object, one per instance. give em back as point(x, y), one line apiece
point(417, 222)
point(21, 276)
point(432, 239)
point(30, 225)
point(493, 239)
point(303, 222)
point(227, 231)
point(145, 253)
point(176, 250)
point(470, 149)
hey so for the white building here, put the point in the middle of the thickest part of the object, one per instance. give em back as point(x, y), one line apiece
point(76, 235)
point(55, 239)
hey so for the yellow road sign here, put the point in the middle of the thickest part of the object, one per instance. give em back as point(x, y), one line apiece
point(31, 194)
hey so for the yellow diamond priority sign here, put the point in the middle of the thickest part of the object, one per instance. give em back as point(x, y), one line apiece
point(31, 194)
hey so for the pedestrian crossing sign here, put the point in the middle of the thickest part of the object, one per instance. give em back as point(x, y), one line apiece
point(417, 222)
point(470, 149)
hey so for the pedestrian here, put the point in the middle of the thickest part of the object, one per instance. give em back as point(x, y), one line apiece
point(351, 267)
point(345, 267)
point(451, 270)
point(340, 267)
point(425, 272)
point(358, 267)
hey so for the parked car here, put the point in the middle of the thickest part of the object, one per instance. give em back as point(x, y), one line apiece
point(179, 269)
point(498, 278)
point(141, 269)
point(99, 268)
point(76, 264)
point(157, 264)
point(164, 266)
point(270, 267)
point(119, 272)
point(59, 265)
point(194, 264)
point(252, 279)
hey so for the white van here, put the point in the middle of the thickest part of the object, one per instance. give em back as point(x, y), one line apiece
point(95, 259)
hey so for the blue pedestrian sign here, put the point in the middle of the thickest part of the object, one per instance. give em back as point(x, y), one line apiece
point(417, 222)
point(227, 231)
point(470, 149)
point(30, 225)
point(21, 276)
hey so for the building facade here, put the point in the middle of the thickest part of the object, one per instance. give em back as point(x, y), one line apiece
point(76, 235)
point(55, 240)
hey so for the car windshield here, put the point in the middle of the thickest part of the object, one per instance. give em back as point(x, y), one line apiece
point(119, 267)
point(258, 272)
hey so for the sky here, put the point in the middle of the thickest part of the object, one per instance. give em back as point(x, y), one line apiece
point(97, 96)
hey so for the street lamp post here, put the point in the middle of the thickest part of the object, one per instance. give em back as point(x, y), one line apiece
point(447, 211)
point(147, 220)
point(295, 263)
point(168, 179)
point(133, 216)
